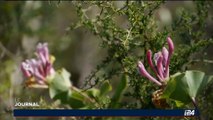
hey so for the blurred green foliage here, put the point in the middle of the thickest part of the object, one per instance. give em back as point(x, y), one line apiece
point(111, 36)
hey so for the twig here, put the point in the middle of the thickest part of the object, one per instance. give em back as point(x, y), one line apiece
point(205, 60)
point(7, 52)
point(196, 107)
point(86, 96)
point(128, 34)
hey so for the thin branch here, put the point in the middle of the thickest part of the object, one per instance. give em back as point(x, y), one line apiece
point(7, 52)
point(128, 34)
point(205, 60)
point(86, 96)
point(196, 106)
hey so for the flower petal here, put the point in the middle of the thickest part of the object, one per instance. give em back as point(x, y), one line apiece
point(46, 51)
point(36, 65)
point(171, 45)
point(171, 49)
point(25, 69)
point(165, 54)
point(144, 73)
point(43, 52)
point(149, 58)
point(160, 67)
point(156, 57)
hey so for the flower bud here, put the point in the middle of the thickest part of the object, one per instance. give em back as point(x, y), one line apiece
point(171, 45)
point(144, 73)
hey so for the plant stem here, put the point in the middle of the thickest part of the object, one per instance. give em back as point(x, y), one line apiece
point(196, 106)
point(86, 96)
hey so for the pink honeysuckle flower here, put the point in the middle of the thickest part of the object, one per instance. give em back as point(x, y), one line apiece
point(165, 54)
point(25, 66)
point(171, 45)
point(144, 73)
point(38, 69)
point(161, 67)
point(149, 57)
point(171, 50)
point(43, 52)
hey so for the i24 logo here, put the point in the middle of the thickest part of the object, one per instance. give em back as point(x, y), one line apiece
point(189, 113)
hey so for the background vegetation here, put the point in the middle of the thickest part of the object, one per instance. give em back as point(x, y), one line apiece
point(99, 41)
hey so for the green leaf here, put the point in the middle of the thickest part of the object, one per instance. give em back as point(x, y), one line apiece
point(119, 91)
point(176, 89)
point(60, 83)
point(196, 81)
point(76, 95)
point(105, 88)
point(183, 87)
point(62, 96)
point(75, 103)
point(82, 99)
point(75, 99)
point(93, 92)
point(179, 103)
